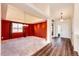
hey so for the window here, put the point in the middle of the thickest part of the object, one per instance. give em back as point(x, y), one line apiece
point(59, 29)
point(16, 27)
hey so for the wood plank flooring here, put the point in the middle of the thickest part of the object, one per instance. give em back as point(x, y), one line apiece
point(65, 49)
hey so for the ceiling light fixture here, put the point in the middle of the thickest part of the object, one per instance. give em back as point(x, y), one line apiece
point(61, 19)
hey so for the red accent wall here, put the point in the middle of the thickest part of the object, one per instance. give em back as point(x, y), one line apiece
point(26, 30)
point(17, 35)
point(29, 30)
point(5, 29)
point(38, 29)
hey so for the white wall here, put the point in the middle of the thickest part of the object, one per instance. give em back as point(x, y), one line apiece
point(49, 31)
point(75, 27)
point(65, 28)
point(0, 23)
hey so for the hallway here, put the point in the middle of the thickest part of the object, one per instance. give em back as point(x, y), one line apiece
point(65, 49)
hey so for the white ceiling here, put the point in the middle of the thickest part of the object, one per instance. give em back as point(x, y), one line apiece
point(57, 8)
point(29, 9)
point(42, 6)
point(43, 10)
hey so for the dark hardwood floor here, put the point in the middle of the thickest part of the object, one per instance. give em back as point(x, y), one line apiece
point(62, 47)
